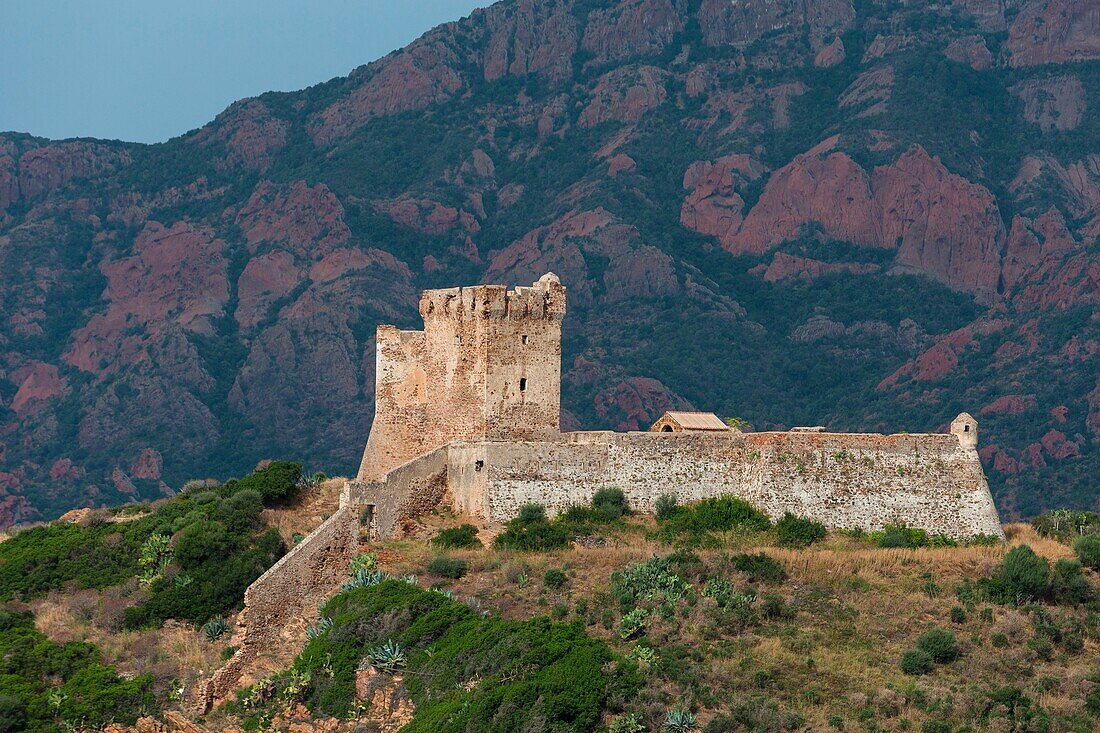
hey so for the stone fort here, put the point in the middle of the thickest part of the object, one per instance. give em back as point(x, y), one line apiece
point(467, 415)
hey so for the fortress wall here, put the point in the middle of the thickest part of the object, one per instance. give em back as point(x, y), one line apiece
point(842, 480)
point(290, 589)
point(412, 489)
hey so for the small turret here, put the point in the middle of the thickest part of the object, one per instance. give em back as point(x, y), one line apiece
point(965, 428)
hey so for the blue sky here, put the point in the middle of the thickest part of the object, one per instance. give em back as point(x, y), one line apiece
point(148, 70)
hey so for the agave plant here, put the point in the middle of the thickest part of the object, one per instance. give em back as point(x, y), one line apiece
point(363, 578)
point(215, 628)
point(680, 721)
point(449, 595)
point(323, 625)
point(410, 579)
point(388, 657)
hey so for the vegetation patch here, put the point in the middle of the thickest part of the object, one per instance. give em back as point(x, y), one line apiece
point(51, 687)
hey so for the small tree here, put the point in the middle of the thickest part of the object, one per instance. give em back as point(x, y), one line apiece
point(793, 531)
point(1087, 548)
point(916, 662)
point(611, 502)
point(665, 506)
point(939, 644)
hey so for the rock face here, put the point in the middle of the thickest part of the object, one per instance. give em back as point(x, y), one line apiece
point(1056, 103)
point(1054, 31)
point(790, 212)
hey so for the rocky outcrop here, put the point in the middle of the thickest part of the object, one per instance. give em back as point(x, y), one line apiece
point(629, 29)
point(307, 220)
point(970, 50)
point(41, 169)
point(713, 206)
point(739, 24)
point(1054, 31)
point(625, 95)
point(636, 402)
point(38, 383)
point(634, 270)
point(427, 216)
point(821, 187)
point(830, 55)
point(175, 278)
point(1055, 103)
point(250, 133)
point(942, 224)
point(790, 267)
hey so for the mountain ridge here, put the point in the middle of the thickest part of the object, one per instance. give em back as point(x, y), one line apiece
point(867, 214)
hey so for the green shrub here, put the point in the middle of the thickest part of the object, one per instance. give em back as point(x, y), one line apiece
point(1068, 584)
point(729, 512)
point(793, 531)
point(544, 676)
point(916, 662)
point(461, 537)
point(554, 579)
point(531, 532)
point(998, 640)
point(1021, 577)
point(531, 513)
point(1087, 548)
point(719, 514)
point(935, 726)
point(611, 502)
point(939, 644)
point(447, 567)
point(760, 567)
point(277, 482)
point(1066, 524)
point(958, 615)
point(900, 536)
point(44, 682)
point(665, 506)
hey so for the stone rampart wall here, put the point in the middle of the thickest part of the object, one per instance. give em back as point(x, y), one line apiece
point(407, 491)
point(842, 480)
point(309, 573)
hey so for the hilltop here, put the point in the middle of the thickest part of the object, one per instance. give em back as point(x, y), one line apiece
point(706, 618)
point(853, 213)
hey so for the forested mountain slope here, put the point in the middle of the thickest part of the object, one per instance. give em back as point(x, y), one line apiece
point(863, 214)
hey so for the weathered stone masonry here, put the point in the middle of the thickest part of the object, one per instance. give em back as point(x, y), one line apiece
point(467, 414)
point(453, 424)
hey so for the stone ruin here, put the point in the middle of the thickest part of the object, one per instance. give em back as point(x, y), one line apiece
point(467, 415)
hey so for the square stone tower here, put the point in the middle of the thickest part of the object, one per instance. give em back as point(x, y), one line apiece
point(486, 366)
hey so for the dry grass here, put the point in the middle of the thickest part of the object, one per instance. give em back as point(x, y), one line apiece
point(176, 653)
point(858, 608)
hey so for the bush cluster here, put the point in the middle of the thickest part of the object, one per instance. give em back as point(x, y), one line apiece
point(194, 555)
point(760, 567)
point(719, 514)
point(457, 537)
point(1024, 577)
point(901, 536)
point(937, 646)
point(532, 532)
point(52, 687)
point(794, 531)
point(536, 674)
point(447, 567)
